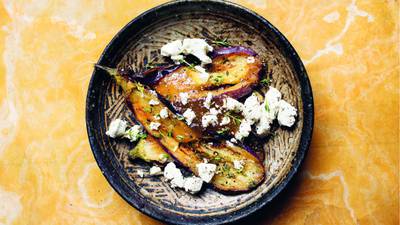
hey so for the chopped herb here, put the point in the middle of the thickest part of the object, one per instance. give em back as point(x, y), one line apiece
point(223, 131)
point(266, 105)
point(191, 66)
point(142, 135)
point(235, 118)
point(217, 79)
point(265, 81)
point(180, 117)
point(169, 134)
point(222, 42)
point(227, 73)
point(140, 87)
point(180, 137)
point(157, 135)
point(148, 109)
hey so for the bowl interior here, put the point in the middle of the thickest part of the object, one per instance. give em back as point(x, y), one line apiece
point(139, 43)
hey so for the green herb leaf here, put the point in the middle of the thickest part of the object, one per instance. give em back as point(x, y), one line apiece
point(140, 87)
point(217, 79)
point(191, 66)
point(169, 134)
point(180, 137)
point(266, 105)
point(180, 117)
point(224, 42)
point(223, 131)
point(148, 109)
point(265, 81)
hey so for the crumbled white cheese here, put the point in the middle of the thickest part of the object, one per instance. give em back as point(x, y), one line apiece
point(250, 59)
point(206, 171)
point(230, 144)
point(197, 47)
point(164, 113)
point(238, 164)
point(233, 105)
point(154, 125)
point(233, 140)
point(178, 181)
point(184, 97)
point(153, 102)
point(225, 120)
point(286, 114)
point(174, 175)
point(203, 74)
point(207, 101)
point(189, 115)
point(170, 171)
point(177, 59)
point(244, 130)
point(173, 50)
point(153, 92)
point(252, 110)
point(272, 98)
point(193, 184)
point(117, 128)
point(264, 125)
point(194, 46)
point(133, 133)
point(209, 119)
point(140, 173)
point(214, 111)
point(155, 170)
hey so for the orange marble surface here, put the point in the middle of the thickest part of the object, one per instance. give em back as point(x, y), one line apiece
point(47, 171)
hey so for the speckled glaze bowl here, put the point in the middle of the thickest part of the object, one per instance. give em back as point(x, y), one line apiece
point(138, 43)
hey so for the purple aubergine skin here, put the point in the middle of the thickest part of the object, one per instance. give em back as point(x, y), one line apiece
point(231, 50)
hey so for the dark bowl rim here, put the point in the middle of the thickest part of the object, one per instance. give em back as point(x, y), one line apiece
point(305, 140)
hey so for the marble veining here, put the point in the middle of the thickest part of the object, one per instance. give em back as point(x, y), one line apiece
point(49, 176)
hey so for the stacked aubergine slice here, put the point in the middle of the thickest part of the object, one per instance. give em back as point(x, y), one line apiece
point(230, 75)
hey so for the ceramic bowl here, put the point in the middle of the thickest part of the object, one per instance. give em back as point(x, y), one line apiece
point(138, 43)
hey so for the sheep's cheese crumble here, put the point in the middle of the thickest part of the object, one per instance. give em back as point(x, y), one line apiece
point(207, 101)
point(155, 170)
point(230, 144)
point(238, 164)
point(209, 119)
point(197, 47)
point(250, 59)
point(140, 173)
point(117, 128)
point(225, 120)
point(206, 171)
point(262, 114)
point(154, 125)
point(193, 184)
point(174, 175)
point(184, 98)
point(286, 114)
point(189, 115)
point(233, 105)
point(134, 133)
point(164, 113)
point(153, 102)
point(244, 130)
point(194, 46)
point(173, 50)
